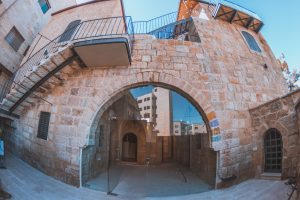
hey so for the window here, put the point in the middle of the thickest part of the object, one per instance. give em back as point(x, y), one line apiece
point(148, 99)
point(251, 41)
point(44, 4)
point(273, 151)
point(43, 125)
point(145, 108)
point(147, 115)
point(14, 39)
point(140, 101)
point(69, 31)
point(148, 107)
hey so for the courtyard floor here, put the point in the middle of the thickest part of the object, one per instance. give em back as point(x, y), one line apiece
point(27, 183)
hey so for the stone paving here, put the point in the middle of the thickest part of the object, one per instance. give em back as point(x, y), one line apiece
point(25, 182)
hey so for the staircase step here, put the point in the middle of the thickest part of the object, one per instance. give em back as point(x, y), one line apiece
point(271, 176)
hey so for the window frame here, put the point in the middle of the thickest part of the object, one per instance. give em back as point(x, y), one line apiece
point(48, 5)
point(43, 125)
point(248, 44)
point(17, 33)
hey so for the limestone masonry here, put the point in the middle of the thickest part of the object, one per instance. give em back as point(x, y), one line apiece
point(240, 93)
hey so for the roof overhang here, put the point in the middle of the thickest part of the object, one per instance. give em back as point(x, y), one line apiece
point(236, 14)
point(223, 10)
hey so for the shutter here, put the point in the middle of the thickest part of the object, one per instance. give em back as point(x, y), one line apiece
point(69, 31)
point(43, 125)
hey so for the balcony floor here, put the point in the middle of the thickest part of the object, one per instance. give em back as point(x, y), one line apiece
point(25, 182)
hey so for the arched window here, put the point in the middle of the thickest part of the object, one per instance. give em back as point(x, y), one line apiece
point(251, 41)
point(273, 151)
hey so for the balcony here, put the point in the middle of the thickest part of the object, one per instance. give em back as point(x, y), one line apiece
point(94, 43)
point(105, 42)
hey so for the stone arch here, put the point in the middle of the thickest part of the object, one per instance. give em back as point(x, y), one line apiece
point(284, 133)
point(138, 129)
point(200, 100)
point(129, 152)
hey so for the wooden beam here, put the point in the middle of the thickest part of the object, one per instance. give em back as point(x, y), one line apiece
point(233, 16)
point(251, 19)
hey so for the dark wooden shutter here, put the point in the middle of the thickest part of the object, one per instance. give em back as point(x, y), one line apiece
point(43, 125)
point(251, 41)
point(69, 31)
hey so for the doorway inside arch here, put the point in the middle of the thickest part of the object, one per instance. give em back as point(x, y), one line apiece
point(151, 140)
point(273, 151)
point(129, 148)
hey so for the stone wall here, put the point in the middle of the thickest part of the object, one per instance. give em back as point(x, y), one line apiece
point(280, 114)
point(192, 152)
point(59, 22)
point(29, 24)
point(220, 76)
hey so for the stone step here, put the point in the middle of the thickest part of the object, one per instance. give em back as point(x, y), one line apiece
point(271, 176)
point(36, 73)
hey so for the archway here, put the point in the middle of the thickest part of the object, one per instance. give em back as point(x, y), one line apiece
point(187, 150)
point(129, 147)
point(273, 151)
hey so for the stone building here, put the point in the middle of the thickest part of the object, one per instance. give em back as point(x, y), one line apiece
point(211, 53)
point(147, 107)
point(156, 107)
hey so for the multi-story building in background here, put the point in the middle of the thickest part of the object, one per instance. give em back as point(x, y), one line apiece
point(180, 128)
point(156, 107)
point(185, 128)
point(147, 106)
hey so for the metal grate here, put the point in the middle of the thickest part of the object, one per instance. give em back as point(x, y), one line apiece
point(273, 151)
point(43, 125)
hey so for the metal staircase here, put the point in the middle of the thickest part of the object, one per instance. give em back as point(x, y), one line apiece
point(50, 65)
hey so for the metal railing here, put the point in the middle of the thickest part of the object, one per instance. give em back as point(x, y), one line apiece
point(178, 29)
point(163, 27)
point(145, 27)
point(91, 29)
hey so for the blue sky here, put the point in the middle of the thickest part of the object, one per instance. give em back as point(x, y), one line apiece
point(281, 19)
point(183, 110)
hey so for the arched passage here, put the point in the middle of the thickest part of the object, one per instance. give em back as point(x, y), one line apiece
point(129, 147)
point(273, 151)
point(207, 163)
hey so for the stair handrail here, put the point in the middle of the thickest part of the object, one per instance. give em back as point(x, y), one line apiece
point(79, 34)
point(146, 26)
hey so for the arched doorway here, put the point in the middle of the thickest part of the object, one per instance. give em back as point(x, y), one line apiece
point(273, 151)
point(129, 148)
point(174, 149)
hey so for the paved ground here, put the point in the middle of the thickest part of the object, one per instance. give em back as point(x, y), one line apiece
point(26, 183)
point(148, 182)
